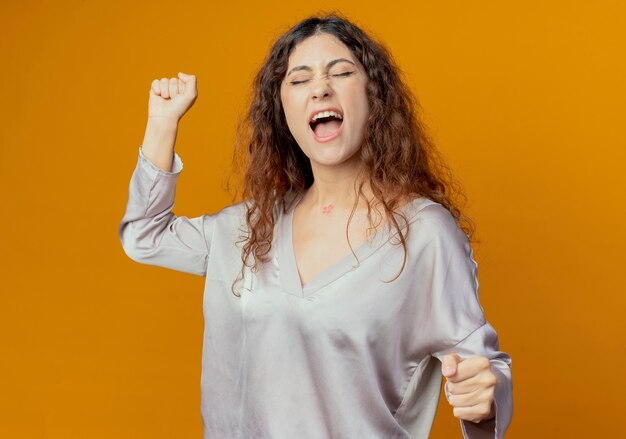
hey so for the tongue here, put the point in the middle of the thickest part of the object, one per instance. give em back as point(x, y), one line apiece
point(325, 129)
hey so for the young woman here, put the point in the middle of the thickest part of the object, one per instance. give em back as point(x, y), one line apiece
point(344, 275)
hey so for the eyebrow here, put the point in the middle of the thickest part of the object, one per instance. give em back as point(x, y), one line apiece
point(328, 66)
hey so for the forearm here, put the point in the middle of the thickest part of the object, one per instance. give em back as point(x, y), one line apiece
point(158, 142)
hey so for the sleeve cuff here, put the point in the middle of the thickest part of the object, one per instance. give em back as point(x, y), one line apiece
point(177, 164)
point(484, 341)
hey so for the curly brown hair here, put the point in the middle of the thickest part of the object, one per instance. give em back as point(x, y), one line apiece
point(399, 159)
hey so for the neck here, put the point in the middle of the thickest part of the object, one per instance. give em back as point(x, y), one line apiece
point(334, 187)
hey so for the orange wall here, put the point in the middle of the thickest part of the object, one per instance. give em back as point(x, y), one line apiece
point(525, 99)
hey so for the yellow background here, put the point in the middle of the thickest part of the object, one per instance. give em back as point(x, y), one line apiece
point(525, 99)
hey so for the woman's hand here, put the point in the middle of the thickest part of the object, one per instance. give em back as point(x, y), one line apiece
point(471, 386)
point(171, 98)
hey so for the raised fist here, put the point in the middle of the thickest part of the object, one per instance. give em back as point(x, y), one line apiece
point(171, 98)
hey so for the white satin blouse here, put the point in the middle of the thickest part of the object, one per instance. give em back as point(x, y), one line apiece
point(347, 356)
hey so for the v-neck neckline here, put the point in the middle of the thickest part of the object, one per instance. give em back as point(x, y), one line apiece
point(289, 275)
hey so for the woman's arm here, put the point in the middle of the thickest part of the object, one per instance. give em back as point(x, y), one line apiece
point(149, 231)
point(458, 326)
point(158, 142)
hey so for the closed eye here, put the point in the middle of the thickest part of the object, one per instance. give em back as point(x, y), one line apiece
point(337, 74)
point(344, 74)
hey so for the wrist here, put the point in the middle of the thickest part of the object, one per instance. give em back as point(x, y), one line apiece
point(163, 123)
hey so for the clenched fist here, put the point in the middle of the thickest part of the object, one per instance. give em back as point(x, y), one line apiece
point(471, 384)
point(171, 98)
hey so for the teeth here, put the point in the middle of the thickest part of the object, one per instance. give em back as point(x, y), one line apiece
point(322, 114)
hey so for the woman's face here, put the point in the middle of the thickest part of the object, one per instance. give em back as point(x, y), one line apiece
point(323, 75)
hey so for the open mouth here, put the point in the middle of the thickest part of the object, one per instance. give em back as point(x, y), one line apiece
point(326, 128)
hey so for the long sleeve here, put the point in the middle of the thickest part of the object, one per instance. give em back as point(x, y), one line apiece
point(151, 233)
point(484, 342)
point(457, 316)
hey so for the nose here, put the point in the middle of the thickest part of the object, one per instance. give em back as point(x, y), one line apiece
point(321, 88)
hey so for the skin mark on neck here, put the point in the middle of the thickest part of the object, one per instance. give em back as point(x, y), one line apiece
point(326, 209)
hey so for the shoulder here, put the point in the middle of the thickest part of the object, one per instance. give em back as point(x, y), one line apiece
point(230, 221)
point(238, 209)
point(430, 221)
point(241, 209)
point(435, 214)
point(429, 213)
point(236, 214)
